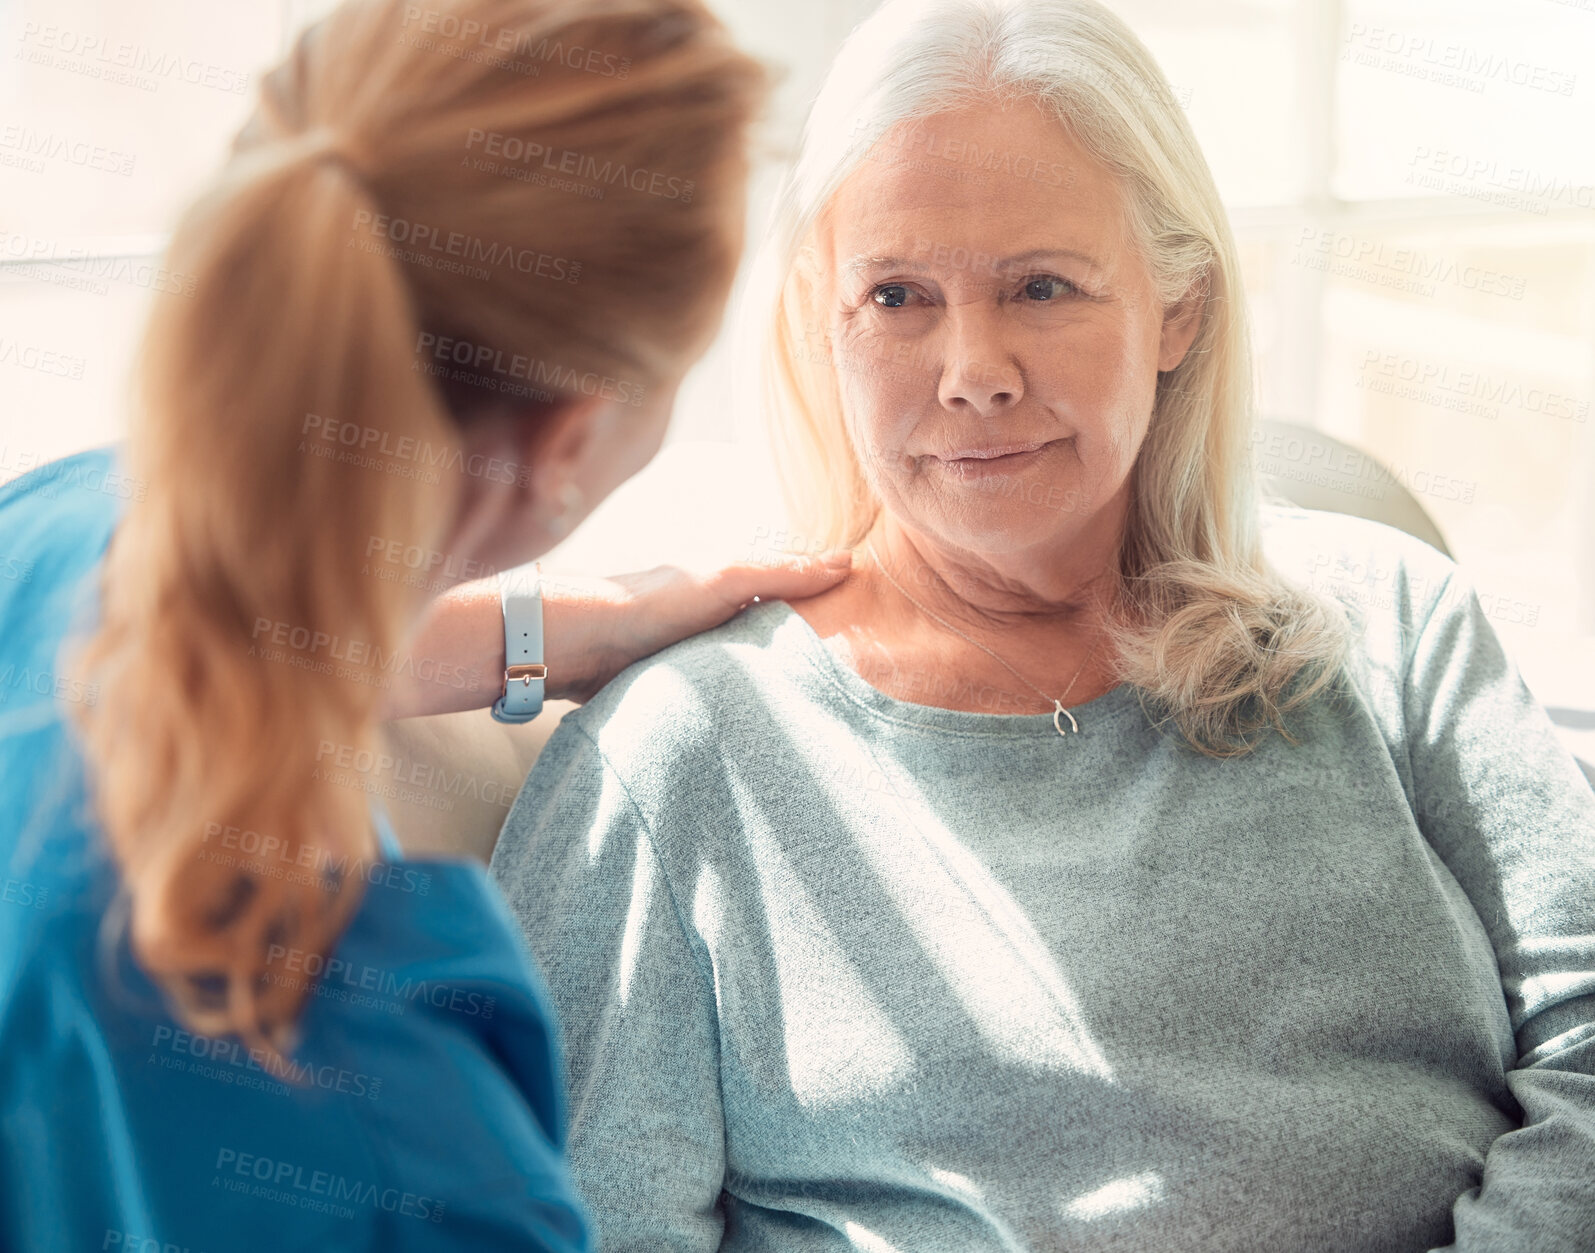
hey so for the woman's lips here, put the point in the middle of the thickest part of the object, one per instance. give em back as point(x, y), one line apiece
point(995, 457)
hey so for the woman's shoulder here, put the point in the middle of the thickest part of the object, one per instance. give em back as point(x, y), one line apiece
point(1376, 570)
point(699, 692)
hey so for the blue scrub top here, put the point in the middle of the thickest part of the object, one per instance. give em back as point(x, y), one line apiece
point(429, 1112)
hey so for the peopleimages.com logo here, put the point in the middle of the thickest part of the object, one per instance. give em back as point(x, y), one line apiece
point(512, 42)
point(474, 359)
point(578, 165)
point(294, 1181)
point(334, 973)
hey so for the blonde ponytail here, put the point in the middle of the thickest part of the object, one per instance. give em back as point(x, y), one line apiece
point(243, 628)
point(210, 727)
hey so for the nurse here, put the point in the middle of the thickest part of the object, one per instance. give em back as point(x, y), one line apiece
point(442, 294)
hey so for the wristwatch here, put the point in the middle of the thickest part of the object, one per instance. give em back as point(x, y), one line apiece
point(520, 593)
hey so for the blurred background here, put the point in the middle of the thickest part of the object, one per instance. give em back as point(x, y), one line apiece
point(1412, 185)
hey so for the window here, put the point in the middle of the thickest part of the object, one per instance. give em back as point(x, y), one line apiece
point(111, 117)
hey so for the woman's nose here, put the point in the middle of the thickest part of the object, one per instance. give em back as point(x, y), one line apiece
point(978, 374)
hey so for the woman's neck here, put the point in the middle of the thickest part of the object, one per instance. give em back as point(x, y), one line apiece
point(1040, 614)
point(1043, 588)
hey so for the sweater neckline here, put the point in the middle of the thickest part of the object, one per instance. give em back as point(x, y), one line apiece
point(1114, 708)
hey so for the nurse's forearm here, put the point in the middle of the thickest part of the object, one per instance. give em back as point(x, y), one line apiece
point(593, 628)
point(459, 646)
point(455, 658)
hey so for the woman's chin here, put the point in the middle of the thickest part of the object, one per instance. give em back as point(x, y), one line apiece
point(982, 525)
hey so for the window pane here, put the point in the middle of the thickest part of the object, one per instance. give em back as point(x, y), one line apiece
point(1221, 58)
point(111, 114)
point(1493, 100)
point(1464, 358)
point(67, 335)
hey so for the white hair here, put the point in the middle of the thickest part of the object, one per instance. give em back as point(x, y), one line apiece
point(1206, 629)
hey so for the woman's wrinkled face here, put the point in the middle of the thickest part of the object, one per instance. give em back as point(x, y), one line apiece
point(997, 338)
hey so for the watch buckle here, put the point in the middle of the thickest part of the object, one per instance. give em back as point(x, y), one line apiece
point(525, 674)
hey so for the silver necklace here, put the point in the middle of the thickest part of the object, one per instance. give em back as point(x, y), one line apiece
point(1058, 711)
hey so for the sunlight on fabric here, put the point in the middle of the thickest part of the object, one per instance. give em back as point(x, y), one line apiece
point(963, 1185)
point(603, 821)
point(967, 922)
point(1562, 984)
point(864, 1238)
point(1129, 1193)
point(641, 898)
point(840, 1046)
point(966, 1189)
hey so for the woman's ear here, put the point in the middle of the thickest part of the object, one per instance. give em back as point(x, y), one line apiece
point(1181, 322)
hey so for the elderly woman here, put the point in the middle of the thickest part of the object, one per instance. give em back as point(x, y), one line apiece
point(1075, 875)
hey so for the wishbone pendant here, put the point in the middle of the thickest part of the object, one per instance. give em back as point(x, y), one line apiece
point(1061, 710)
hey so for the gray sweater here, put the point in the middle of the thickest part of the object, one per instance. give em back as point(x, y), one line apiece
point(839, 971)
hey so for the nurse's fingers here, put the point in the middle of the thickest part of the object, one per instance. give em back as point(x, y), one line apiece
point(780, 578)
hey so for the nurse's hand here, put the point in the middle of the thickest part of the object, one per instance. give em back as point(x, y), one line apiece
point(593, 628)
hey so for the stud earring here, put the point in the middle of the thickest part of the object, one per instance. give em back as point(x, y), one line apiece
point(571, 500)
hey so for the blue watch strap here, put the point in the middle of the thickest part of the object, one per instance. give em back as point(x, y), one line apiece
point(520, 594)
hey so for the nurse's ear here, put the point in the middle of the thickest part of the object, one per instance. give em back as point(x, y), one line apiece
point(522, 480)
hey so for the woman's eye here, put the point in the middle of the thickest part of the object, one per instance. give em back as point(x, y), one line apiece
point(1048, 288)
point(892, 295)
